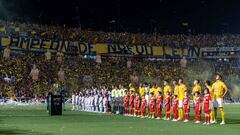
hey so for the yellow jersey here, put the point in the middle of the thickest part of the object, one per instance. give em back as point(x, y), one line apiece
point(196, 88)
point(210, 91)
point(132, 89)
point(218, 89)
point(152, 90)
point(158, 89)
point(141, 91)
point(166, 89)
point(176, 90)
point(181, 89)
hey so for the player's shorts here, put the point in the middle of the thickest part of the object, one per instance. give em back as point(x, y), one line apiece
point(197, 112)
point(186, 110)
point(206, 110)
point(180, 105)
point(151, 108)
point(167, 107)
point(218, 102)
point(131, 105)
point(126, 105)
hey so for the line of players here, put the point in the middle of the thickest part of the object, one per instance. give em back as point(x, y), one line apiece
point(137, 106)
point(178, 102)
point(91, 101)
point(153, 100)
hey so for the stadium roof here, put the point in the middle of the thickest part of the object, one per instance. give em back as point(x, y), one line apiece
point(162, 16)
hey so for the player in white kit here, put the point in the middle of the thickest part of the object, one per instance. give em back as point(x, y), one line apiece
point(73, 101)
point(100, 103)
point(96, 107)
point(92, 102)
point(77, 102)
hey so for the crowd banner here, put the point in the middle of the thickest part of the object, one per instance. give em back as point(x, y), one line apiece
point(221, 52)
point(40, 44)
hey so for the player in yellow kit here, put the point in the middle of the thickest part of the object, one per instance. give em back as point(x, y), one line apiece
point(167, 88)
point(219, 91)
point(131, 87)
point(155, 89)
point(196, 88)
point(175, 84)
point(141, 90)
point(181, 89)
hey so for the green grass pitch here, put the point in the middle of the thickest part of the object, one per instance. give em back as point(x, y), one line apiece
point(34, 120)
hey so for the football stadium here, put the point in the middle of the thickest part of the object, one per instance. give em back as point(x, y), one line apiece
point(85, 67)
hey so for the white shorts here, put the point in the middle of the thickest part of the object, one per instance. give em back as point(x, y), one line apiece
point(217, 103)
point(180, 105)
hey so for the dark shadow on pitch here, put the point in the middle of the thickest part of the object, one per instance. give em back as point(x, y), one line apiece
point(19, 132)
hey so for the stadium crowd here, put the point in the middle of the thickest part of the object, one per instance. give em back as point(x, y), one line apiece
point(89, 36)
point(135, 86)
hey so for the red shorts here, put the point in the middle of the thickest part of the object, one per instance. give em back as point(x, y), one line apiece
point(186, 110)
point(126, 105)
point(167, 107)
point(159, 107)
point(197, 111)
point(131, 106)
point(137, 108)
point(175, 109)
point(151, 108)
point(143, 109)
point(206, 110)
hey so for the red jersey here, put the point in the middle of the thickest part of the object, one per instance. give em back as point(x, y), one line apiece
point(126, 100)
point(131, 100)
point(175, 103)
point(186, 104)
point(159, 101)
point(206, 102)
point(167, 103)
point(197, 104)
point(137, 102)
point(206, 99)
point(152, 104)
point(144, 103)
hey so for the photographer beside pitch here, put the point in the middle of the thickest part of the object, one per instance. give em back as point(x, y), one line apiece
point(219, 91)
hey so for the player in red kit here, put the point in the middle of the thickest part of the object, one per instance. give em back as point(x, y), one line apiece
point(137, 105)
point(167, 106)
point(197, 107)
point(151, 106)
point(131, 103)
point(207, 106)
point(126, 103)
point(143, 107)
point(159, 105)
point(175, 103)
point(186, 106)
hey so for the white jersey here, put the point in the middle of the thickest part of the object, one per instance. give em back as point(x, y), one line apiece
point(83, 100)
point(80, 100)
point(105, 101)
point(96, 100)
point(77, 99)
point(87, 101)
point(91, 101)
point(73, 99)
point(146, 97)
point(100, 101)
